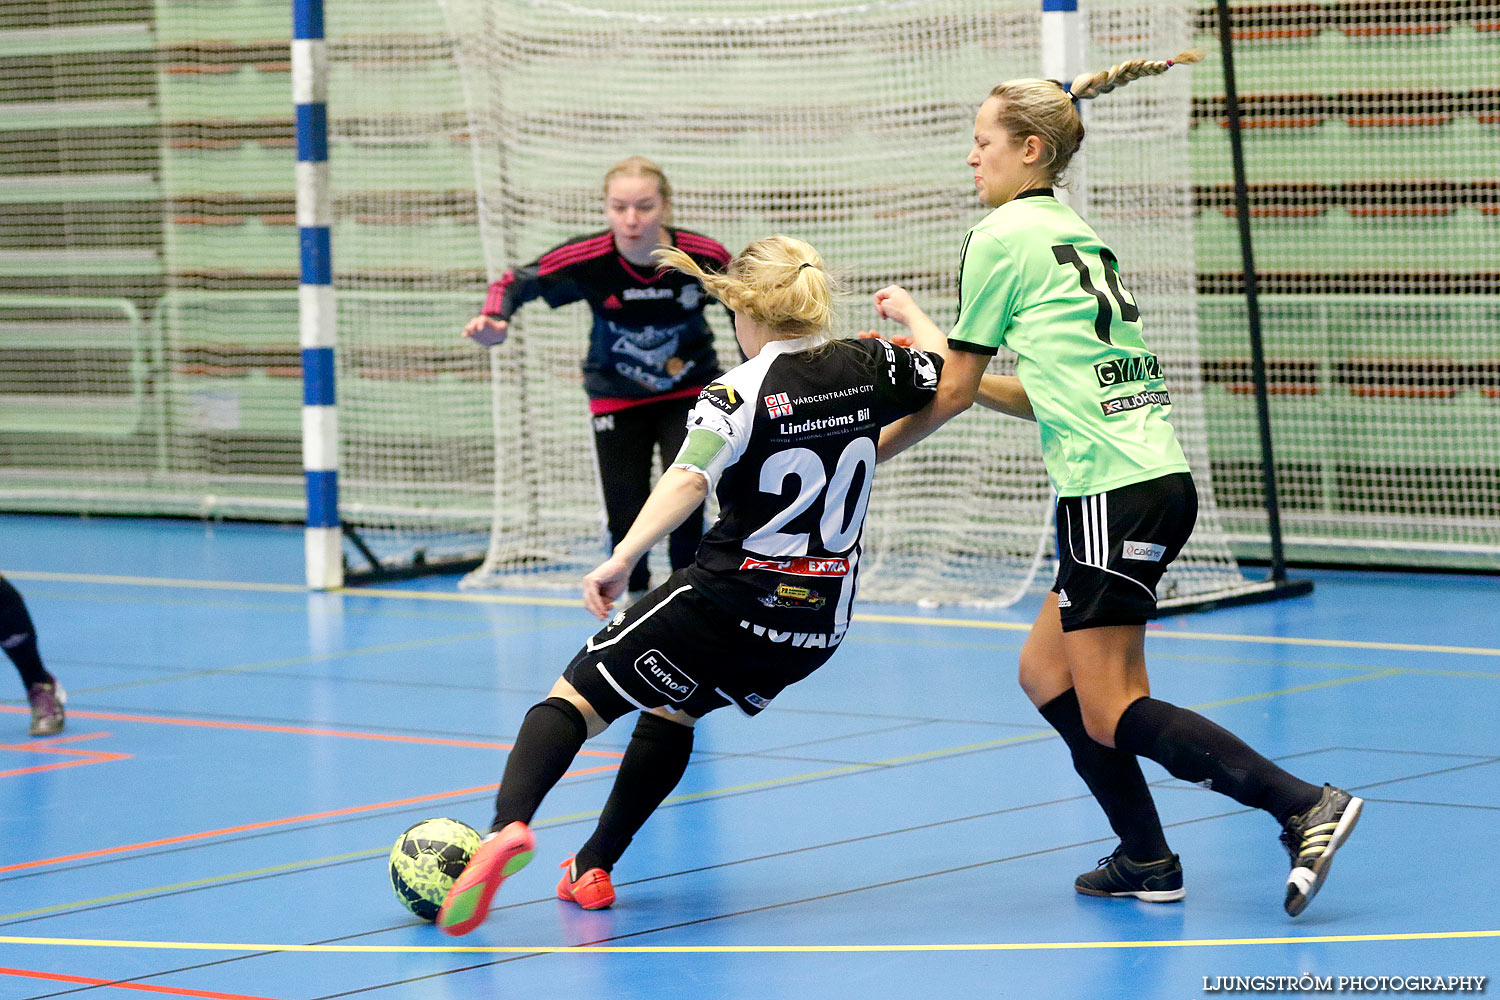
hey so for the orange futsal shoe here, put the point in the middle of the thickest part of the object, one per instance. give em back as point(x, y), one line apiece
point(592, 890)
point(499, 857)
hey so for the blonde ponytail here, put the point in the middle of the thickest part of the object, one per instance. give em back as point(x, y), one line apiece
point(778, 281)
point(1090, 85)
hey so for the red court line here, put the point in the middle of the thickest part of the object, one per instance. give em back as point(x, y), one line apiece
point(55, 746)
point(257, 727)
point(58, 977)
point(267, 824)
point(92, 758)
point(53, 741)
point(51, 747)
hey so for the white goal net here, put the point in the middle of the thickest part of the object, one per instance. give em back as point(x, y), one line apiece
point(847, 125)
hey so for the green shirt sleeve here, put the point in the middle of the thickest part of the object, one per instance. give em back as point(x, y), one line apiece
point(988, 293)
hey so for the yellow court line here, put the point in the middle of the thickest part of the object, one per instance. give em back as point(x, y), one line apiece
point(1299, 689)
point(290, 588)
point(572, 602)
point(155, 581)
point(765, 949)
point(1162, 633)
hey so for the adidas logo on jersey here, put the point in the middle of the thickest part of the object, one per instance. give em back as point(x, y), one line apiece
point(1063, 601)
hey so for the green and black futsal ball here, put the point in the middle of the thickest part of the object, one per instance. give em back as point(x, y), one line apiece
point(427, 859)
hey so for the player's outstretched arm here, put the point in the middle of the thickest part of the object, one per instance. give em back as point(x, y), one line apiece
point(958, 386)
point(895, 303)
point(1003, 393)
point(487, 331)
point(677, 495)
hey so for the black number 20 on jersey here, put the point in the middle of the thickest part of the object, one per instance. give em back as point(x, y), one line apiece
point(1067, 253)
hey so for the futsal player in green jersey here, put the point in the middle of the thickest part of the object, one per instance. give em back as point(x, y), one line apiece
point(1036, 279)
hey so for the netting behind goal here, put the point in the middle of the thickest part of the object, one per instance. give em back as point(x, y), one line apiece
point(1371, 133)
point(148, 252)
point(846, 125)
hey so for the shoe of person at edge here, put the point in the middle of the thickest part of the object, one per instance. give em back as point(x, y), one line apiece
point(1312, 838)
point(47, 715)
point(591, 890)
point(500, 856)
point(1119, 877)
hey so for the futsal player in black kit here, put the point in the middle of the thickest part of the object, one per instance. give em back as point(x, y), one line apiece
point(18, 639)
point(650, 348)
point(789, 440)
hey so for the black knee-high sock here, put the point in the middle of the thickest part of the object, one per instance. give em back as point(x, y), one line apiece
point(18, 636)
point(654, 763)
point(1114, 777)
point(551, 735)
point(1195, 749)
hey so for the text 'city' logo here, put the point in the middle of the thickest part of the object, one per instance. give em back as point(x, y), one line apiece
point(779, 405)
point(1142, 369)
point(663, 675)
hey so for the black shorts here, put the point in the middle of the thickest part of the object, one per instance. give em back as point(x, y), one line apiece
point(674, 648)
point(1113, 547)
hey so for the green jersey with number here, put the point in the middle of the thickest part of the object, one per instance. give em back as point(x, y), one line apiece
point(1037, 279)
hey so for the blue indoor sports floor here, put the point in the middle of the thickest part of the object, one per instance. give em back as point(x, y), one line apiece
point(241, 754)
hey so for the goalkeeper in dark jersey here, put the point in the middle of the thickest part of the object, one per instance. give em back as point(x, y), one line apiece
point(1035, 278)
point(650, 348)
point(788, 439)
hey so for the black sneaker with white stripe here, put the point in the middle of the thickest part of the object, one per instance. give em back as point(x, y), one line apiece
point(1120, 877)
point(1311, 838)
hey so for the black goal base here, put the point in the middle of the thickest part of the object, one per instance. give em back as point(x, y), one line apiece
point(375, 571)
point(1252, 593)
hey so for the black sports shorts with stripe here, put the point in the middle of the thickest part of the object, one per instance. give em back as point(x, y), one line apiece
point(1113, 547)
point(677, 649)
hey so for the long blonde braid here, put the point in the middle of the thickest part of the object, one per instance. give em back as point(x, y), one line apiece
point(1089, 85)
point(1048, 109)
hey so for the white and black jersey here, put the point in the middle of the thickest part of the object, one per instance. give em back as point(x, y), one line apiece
point(800, 428)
